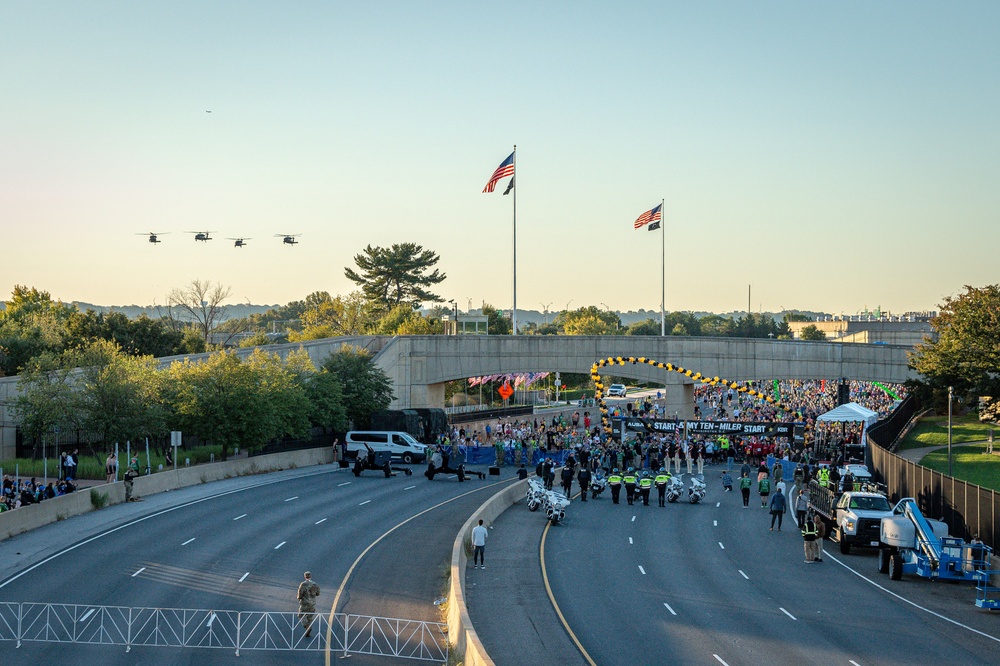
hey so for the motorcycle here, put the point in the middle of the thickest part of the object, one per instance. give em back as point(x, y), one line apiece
point(555, 508)
point(597, 486)
point(536, 493)
point(674, 489)
point(696, 492)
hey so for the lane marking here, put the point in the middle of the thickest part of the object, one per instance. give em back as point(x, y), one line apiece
point(552, 599)
point(365, 502)
point(238, 517)
point(211, 619)
point(669, 608)
point(292, 498)
point(851, 661)
point(244, 577)
point(786, 612)
point(721, 546)
point(280, 545)
point(717, 506)
point(357, 561)
point(914, 604)
point(138, 572)
point(321, 520)
point(633, 519)
point(743, 574)
point(171, 509)
point(87, 614)
point(715, 523)
point(345, 483)
point(641, 570)
point(630, 539)
point(188, 541)
point(453, 476)
point(720, 660)
point(409, 487)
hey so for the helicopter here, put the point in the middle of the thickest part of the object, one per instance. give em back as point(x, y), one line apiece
point(239, 242)
point(152, 236)
point(201, 235)
point(288, 239)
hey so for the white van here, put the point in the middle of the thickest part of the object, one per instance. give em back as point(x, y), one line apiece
point(400, 444)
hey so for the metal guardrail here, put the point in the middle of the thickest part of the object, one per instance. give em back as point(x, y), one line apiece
point(221, 629)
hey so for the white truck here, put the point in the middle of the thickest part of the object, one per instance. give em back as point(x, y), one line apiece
point(854, 517)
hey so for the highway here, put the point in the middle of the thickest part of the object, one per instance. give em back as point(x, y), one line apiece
point(243, 544)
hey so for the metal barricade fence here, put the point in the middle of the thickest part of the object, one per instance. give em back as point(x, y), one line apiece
point(225, 629)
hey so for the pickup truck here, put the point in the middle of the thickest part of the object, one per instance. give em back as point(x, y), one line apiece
point(854, 517)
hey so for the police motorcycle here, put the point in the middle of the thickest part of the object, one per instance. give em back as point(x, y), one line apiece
point(675, 488)
point(555, 507)
point(536, 493)
point(597, 485)
point(696, 492)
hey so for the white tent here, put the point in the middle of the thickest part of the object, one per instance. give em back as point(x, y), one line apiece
point(852, 411)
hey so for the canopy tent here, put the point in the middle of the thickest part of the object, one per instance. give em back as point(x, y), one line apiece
point(852, 411)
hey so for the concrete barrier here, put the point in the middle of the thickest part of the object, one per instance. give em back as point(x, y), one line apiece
point(464, 640)
point(60, 508)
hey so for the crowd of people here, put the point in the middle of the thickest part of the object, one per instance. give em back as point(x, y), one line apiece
point(29, 491)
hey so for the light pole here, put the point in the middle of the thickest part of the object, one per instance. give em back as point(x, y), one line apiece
point(567, 304)
point(452, 301)
point(950, 393)
point(545, 308)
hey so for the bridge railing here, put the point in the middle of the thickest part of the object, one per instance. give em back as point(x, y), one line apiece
point(221, 629)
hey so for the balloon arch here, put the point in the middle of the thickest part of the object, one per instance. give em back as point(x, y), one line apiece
point(595, 376)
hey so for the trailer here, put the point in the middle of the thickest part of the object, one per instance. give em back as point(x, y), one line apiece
point(910, 543)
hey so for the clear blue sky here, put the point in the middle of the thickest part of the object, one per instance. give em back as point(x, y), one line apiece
point(835, 156)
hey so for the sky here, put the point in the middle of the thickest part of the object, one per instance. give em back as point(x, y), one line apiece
point(833, 156)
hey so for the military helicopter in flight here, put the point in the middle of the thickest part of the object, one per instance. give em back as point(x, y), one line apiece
point(201, 235)
point(153, 236)
point(288, 239)
point(239, 242)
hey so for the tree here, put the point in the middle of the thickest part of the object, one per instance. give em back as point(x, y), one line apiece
point(200, 304)
point(645, 327)
point(589, 320)
point(31, 324)
point(810, 332)
point(717, 326)
point(367, 388)
point(141, 337)
point(326, 317)
point(46, 398)
point(496, 322)
point(966, 352)
point(395, 275)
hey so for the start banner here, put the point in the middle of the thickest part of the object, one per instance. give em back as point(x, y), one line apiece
point(736, 428)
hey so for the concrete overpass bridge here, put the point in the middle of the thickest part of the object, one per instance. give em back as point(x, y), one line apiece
point(420, 365)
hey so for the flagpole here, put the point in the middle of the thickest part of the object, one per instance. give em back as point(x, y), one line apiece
point(663, 268)
point(514, 312)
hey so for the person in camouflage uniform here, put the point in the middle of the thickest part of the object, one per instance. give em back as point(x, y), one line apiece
point(307, 594)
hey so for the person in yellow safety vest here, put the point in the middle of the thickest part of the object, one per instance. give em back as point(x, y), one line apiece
point(661, 481)
point(645, 485)
point(630, 480)
point(615, 482)
point(809, 535)
point(824, 477)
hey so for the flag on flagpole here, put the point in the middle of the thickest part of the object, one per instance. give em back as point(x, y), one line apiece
point(654, 226)
point(505, 169)
point(647, 217)
point(510, 186)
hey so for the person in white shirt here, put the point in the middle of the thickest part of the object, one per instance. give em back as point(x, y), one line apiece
point(479, 535)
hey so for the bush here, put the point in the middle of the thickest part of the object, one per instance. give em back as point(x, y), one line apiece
point(99, 500)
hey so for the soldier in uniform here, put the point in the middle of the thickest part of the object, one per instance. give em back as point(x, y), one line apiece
point(307, 594)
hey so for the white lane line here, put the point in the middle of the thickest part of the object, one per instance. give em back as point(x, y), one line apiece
point(915, 605)
point(211, 619)
point(453, 476)
point(630, 539)
point(86, 615)
point(717, 506)
point(138, 572)
point(292, 498)
point(238, 517)
point(786, 612)
point(409, 487)
point(720, 660)
point(715, 523)
point(851, 661)
point(244, 576)
point(669, 608)
point(345, 483)
point(721, 546)
point(641, 570)
point(743, 574)
point(280, 545)
point(188, 541)
point(365, 502)
point(321, 520)
point(633, 519)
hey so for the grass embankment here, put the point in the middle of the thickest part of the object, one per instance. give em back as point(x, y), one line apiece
point(91, 467)
point(969, 463)
point(933, 431)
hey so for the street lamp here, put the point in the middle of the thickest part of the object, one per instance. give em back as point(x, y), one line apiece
point(567, 304)
point(545, 308)
point(452, 301)
point(950, 393)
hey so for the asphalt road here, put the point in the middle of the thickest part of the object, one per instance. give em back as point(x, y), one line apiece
point(243, 544)
point(711, 584)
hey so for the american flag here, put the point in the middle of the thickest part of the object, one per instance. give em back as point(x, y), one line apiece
point(505, 169)
point(648, 216)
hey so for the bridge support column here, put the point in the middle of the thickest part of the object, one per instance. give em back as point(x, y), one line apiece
point(680, 401)
point(426, 395)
